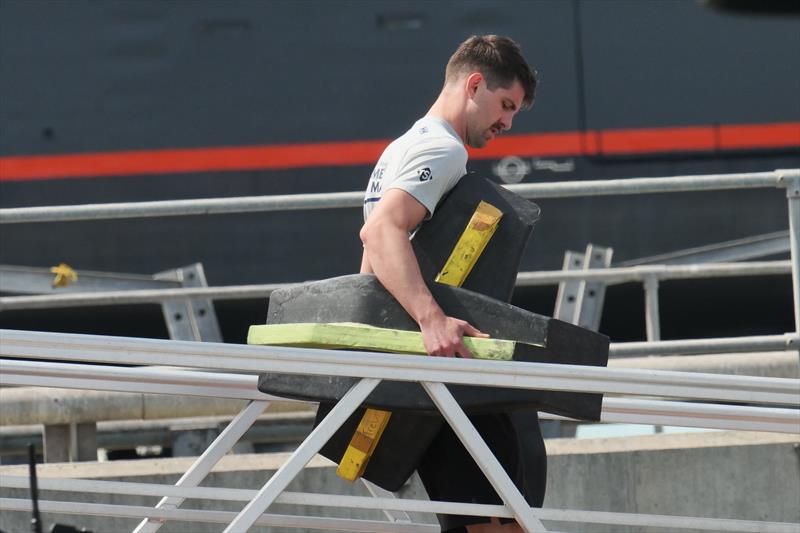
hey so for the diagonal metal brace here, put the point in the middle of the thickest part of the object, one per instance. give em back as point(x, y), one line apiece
point(304, 453)
point(483, 456)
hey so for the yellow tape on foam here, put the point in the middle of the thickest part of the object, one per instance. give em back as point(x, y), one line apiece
point(470, 245)
point(462, 259)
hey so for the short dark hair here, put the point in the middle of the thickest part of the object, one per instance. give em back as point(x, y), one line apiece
point(499, 59)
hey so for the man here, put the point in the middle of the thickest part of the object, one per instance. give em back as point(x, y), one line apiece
point(487, 82)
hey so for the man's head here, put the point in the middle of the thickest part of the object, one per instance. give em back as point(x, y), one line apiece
point(498, 83)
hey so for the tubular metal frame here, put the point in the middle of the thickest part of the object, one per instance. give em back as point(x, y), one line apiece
point(432, 373)
point(248, 204)
point(243, 387)
point(788, 179)
point(524, 279)
point(256, 359)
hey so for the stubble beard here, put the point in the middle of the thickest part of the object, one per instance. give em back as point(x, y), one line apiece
point(476, 139)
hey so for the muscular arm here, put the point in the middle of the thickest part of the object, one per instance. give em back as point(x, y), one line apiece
point(388, 254)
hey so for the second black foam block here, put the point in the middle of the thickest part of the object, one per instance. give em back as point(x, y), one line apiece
point(415, 422)
point(361, 298)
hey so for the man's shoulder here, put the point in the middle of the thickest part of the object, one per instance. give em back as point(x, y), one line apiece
point(430, 135)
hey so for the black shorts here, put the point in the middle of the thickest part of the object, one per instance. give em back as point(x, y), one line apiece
point(450, 474)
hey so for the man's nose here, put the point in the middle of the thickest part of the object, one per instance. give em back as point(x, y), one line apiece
point(506, 121)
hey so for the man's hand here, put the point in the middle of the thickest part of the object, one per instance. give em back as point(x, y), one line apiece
point(442, 336)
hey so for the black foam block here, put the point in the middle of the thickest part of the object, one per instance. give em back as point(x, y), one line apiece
point(361, 298)
point(414, 424)
point(495, 272)
point(415, 421)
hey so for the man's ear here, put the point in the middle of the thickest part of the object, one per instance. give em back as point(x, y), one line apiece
point(472, 83)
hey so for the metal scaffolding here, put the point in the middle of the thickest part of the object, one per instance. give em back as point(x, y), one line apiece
point(691, 399)
point(780, 396)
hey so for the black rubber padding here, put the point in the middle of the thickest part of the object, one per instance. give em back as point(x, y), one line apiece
point(361, 298)
point(495, 272)
point(416, 436)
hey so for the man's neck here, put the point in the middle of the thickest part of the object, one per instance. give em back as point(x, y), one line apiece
point(450, 108)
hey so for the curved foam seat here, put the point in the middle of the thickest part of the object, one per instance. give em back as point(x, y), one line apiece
point(415, 423)
point(361, 298)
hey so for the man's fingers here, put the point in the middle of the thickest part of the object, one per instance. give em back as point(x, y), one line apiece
point(463, 351)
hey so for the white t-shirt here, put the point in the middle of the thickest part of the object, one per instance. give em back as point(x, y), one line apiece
point(426, 162)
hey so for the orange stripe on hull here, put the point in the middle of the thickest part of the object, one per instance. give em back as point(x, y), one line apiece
point(285, 156)
point(732, 137)
point(657, 140)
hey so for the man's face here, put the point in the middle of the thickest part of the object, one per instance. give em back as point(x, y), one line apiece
point(492, 112)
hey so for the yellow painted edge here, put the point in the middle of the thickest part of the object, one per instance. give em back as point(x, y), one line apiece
point(351, 463)
point(353, 336)
point(469, 247)
point(355, 458)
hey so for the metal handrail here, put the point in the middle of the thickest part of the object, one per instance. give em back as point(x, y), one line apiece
point(429, 371)
point(374, 367)
point(547, 277)
point(321, 362)
point(409, 505)
point(236, 386)
point(251, 204)
point(781, 178)
point(344, 524)
point(757, 343)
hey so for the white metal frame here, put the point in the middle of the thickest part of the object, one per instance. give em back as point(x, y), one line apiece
point(249, 204)
point(431, 372)
point(243, 387)
point(788, 179)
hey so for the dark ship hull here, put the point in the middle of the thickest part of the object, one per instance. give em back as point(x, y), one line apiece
point(132, 101)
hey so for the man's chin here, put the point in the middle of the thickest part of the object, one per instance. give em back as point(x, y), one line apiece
point(480, 142)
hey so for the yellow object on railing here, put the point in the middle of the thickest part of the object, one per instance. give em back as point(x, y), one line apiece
point(462, 259)
point(64, 275)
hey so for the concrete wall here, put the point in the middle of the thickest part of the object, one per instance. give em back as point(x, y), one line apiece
point(717, 474)
point(748, 476)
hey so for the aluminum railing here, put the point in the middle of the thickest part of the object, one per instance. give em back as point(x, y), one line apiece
point(249, 204)
point(244, 387)
point(430, 372)
point(649, 276)
point(524, 279)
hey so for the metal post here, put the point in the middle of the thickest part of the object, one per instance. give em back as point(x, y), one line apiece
point(193, 319)
point(568, 290)
point(652, 319)
point(591, 294)
point(793, 197)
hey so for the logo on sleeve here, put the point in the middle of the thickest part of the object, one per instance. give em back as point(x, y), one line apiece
point(425, 174)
